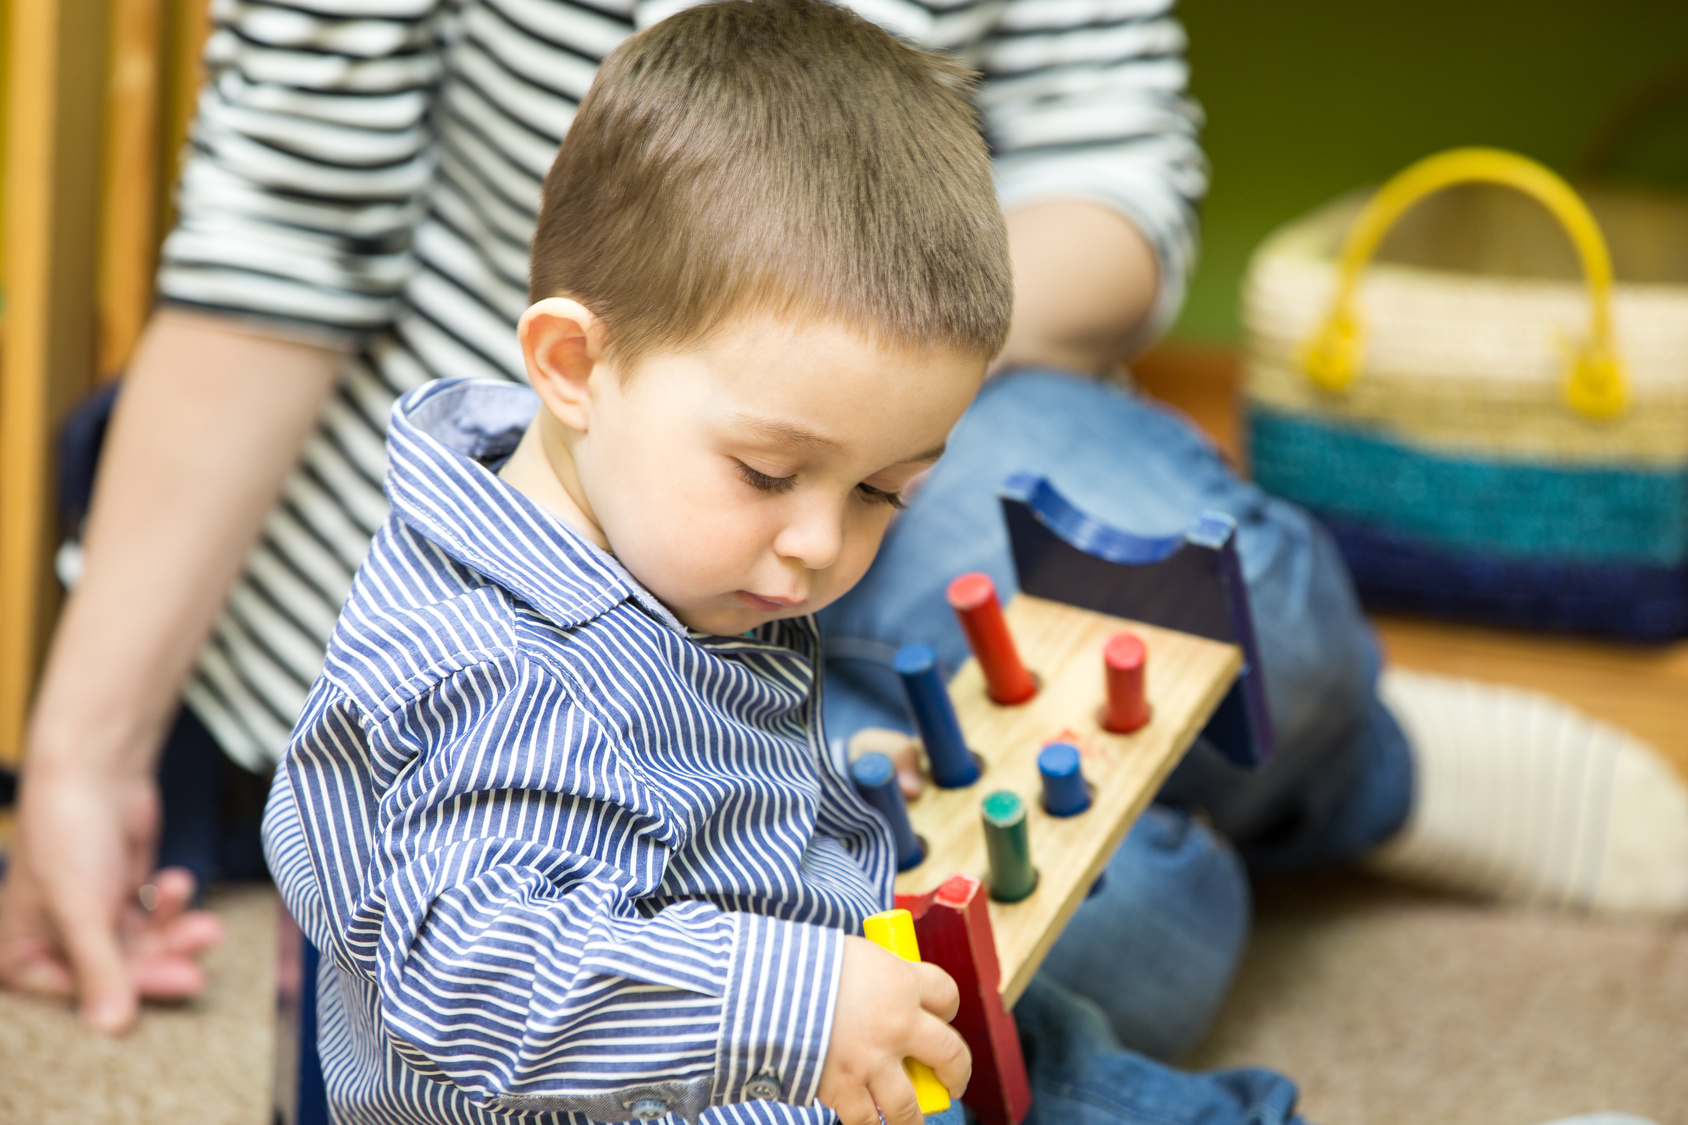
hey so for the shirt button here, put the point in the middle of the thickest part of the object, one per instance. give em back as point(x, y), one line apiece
point(764, 1087)
point(648, 1109)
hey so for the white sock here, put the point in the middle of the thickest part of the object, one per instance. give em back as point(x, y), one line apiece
point(1521, 798)
point(1604, 1119)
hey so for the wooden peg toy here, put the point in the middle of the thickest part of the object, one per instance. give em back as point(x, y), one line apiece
point(1124, 657)
point(954, 926)
point(876, 780)
point(952, 762)
point(973, 597)
point(1008, 847)
point(1065, 792)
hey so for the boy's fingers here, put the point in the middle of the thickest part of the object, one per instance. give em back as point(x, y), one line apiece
point(938, 993)
point(894, 1095)
point(855, 1107)
point(941, 1048)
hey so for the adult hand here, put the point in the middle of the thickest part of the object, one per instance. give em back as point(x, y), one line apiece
point(82, 915)
point(210, 422)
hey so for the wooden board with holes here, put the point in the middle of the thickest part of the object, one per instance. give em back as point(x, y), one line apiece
point(1186, 679)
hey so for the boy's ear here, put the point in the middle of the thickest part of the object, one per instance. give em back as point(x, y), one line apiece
point(562, 342)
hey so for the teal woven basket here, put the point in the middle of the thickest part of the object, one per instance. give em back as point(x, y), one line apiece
point(1488, 435)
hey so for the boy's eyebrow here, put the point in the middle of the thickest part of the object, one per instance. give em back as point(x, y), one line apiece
point(928, 457)
point(790, 433)
point(785, 433)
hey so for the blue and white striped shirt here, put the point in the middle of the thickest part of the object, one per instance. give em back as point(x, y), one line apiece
point(561, 853)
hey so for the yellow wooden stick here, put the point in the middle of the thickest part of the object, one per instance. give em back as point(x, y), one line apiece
point(894, 930)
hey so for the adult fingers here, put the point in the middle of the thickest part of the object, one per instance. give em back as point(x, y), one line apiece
point(907, 760)
point(903, 751)
point(88, 931)
point(29, 959)
point(172, 891)
point(191, 934)
point(894, 1095)
point(108, 997)
point(168, 978)
point(938, 993)
point(941, 1048)
point(37, 971)
point(164, 955)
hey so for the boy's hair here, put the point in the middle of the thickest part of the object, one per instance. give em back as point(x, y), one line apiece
point(785, 157)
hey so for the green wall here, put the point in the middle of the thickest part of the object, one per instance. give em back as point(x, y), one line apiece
point(1306, 99)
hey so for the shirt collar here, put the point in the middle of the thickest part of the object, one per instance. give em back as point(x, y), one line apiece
point(439, 436)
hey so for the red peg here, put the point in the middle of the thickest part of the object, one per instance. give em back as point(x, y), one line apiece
point(1128, 707)
point(973, 597)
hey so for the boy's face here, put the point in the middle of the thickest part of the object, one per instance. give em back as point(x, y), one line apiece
point(754, 478)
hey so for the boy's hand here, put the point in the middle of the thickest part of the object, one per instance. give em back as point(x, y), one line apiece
point(889, 1009)
point(902, 749)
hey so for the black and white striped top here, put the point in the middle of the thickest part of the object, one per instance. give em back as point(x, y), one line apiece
point(372, 168)
point(563, 855)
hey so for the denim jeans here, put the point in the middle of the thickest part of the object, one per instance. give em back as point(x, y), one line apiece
point(1082, 1076)
point(1155, 951)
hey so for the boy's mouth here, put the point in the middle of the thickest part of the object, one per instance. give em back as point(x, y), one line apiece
point(765, 605)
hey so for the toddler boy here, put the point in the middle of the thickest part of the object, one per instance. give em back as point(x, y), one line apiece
point(560, 811)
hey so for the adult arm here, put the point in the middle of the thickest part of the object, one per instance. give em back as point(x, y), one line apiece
point(210, 421)
point(308, 158)
point(1085, 282)
point(1099, 170)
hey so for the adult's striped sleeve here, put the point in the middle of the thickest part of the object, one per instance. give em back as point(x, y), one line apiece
point(1086, 99)
point(489, 860)
point(307, 162)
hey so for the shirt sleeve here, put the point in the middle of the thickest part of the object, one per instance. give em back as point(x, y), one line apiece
point(307, 162)
point(486, 858)
point(1086, 99)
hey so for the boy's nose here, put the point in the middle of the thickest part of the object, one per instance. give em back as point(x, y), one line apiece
point(814, 537)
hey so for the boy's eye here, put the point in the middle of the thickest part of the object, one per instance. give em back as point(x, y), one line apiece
point(881, 496)
point(762, 482)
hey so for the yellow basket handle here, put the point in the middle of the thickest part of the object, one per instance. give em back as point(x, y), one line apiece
point(1594, 383)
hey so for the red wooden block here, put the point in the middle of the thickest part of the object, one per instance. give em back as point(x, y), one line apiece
point(953, 924)
point(973, 597)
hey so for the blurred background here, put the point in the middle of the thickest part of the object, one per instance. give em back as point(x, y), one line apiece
point(1388, 1007)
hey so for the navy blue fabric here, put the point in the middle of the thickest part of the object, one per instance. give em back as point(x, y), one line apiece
point(1399, 574)
point(80, 440)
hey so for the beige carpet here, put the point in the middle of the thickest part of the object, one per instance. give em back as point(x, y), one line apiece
point(1395, 1008)
point(1389, 1007)
point(208, 1063)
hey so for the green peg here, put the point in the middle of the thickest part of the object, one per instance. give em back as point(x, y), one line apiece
point(1008, 848)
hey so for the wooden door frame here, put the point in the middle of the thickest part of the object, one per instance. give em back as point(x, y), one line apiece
point(54, 108)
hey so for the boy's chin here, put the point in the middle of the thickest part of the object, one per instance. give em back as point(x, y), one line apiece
point(733, 620)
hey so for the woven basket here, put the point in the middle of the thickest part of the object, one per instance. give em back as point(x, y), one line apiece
point(1491, 426)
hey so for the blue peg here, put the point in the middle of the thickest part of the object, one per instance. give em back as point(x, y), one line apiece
point(876, 781)
point(1064, 790)
point(953, 766)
